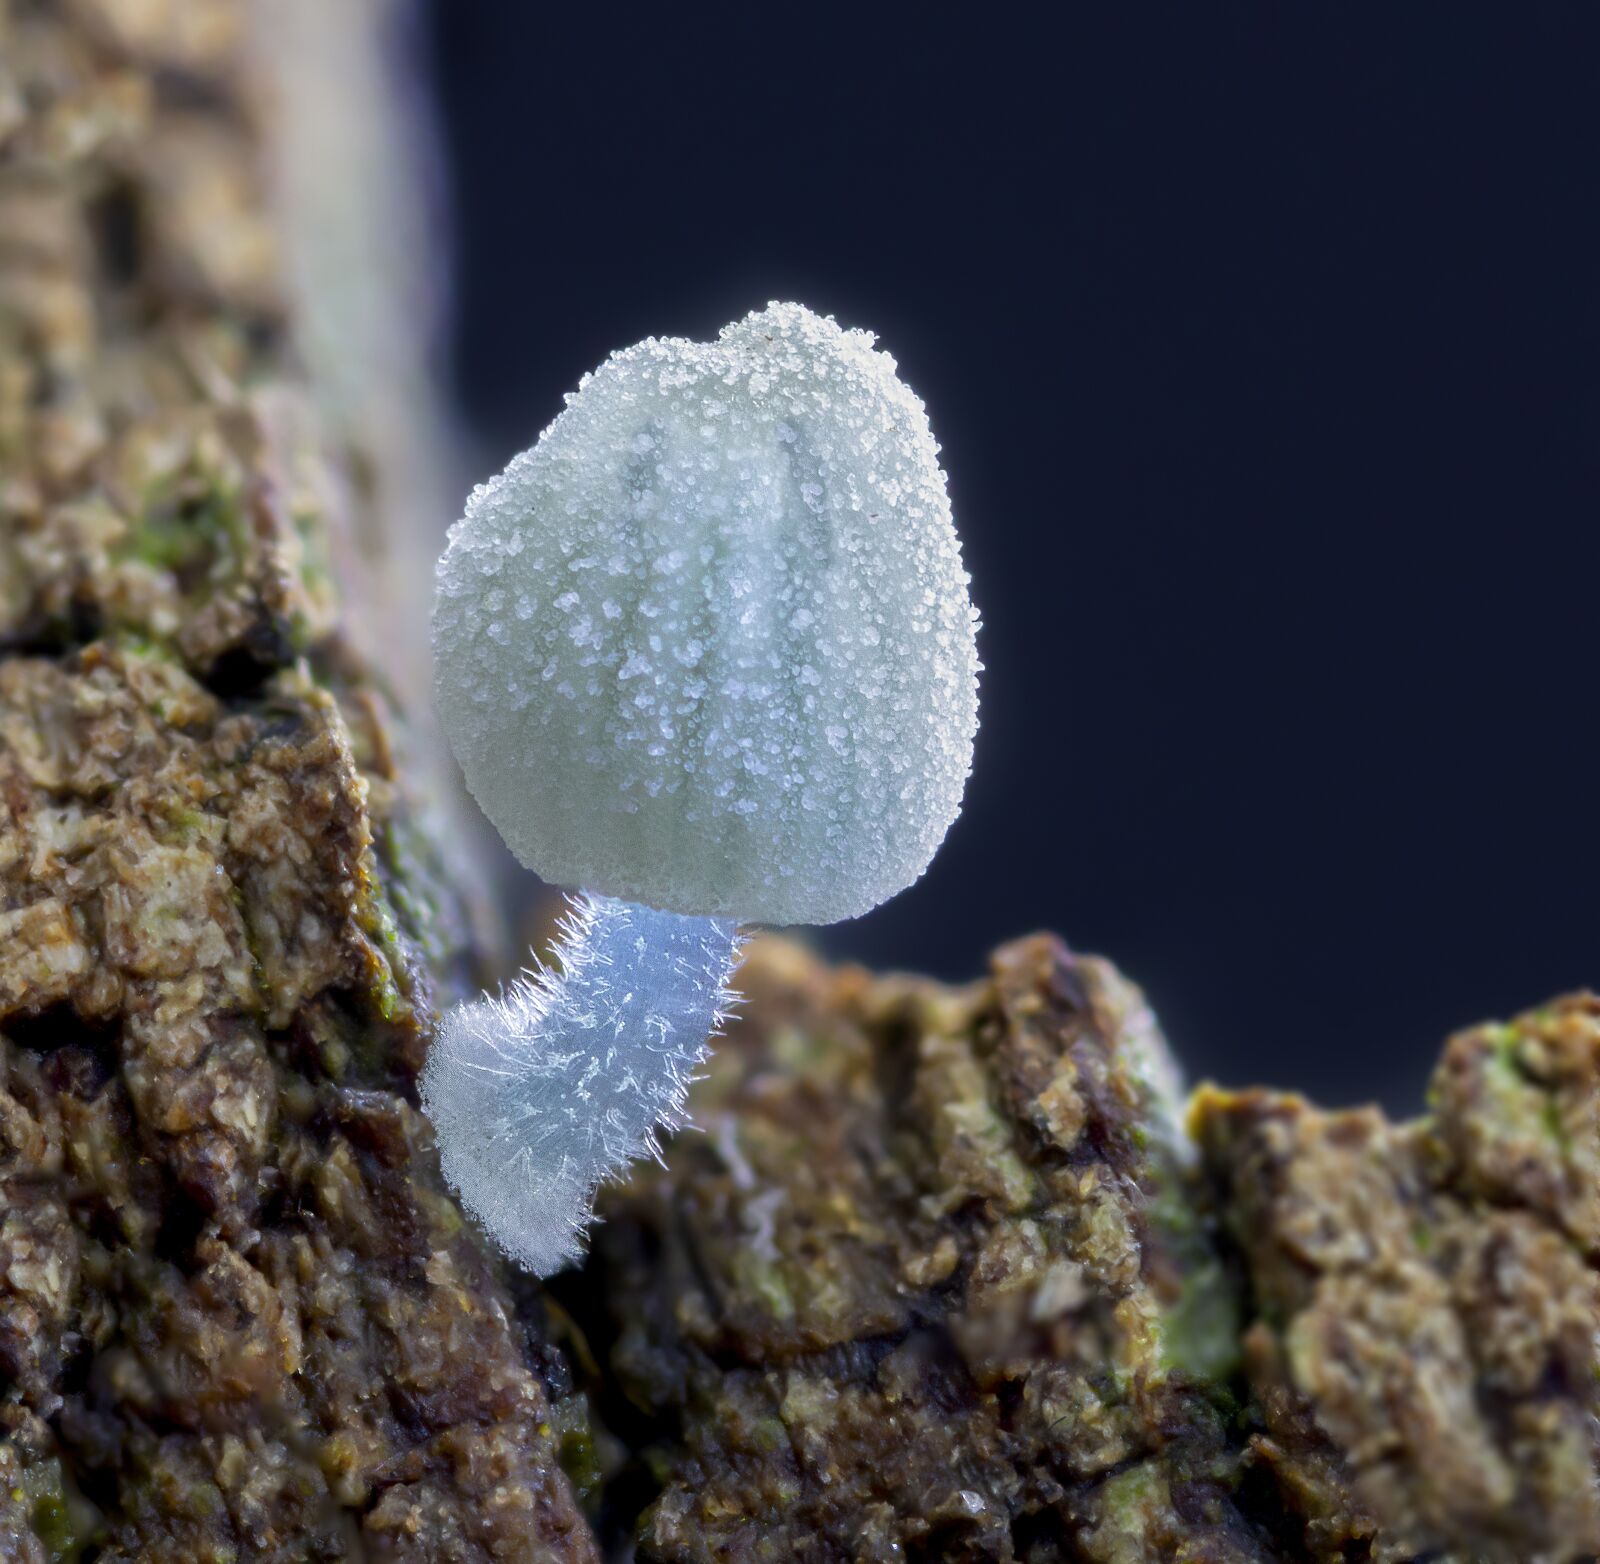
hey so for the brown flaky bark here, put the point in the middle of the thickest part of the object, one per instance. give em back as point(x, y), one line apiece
point(929, 1286)
point(1421, 1339)
point(942, 1281)
point(240, 1318)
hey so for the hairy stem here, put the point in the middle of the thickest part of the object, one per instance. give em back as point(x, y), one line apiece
point(542, 1093)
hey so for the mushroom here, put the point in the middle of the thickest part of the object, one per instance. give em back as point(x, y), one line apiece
point(707, 652)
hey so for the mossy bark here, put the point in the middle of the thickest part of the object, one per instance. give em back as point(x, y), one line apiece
point(240, 1317)
point(944, 1280)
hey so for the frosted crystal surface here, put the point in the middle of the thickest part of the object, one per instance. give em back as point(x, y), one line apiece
point(540, 1094)
point(708, 645)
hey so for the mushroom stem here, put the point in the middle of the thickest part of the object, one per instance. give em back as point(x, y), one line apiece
point(543, 1093)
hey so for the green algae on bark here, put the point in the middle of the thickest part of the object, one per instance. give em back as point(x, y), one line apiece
point(941, 1281)
point(924, 1288)
point(1422, 1357)
point(240, 1317)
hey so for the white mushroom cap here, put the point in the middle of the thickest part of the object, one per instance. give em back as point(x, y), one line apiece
point(708, 646)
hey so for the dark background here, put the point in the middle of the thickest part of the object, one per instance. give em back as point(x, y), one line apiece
point(1264, 350)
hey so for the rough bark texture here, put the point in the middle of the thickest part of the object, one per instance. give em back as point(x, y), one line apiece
point(939, 1283)
point(1422, 1342)
point(239, 1316)
point(930, 1286)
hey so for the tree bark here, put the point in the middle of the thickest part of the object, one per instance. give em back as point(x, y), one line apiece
point(240, 1318)
point(943, 1279)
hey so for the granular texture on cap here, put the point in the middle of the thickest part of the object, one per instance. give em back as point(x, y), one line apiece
point(709, 646)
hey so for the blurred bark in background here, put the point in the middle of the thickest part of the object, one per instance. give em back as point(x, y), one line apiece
point(360, 217)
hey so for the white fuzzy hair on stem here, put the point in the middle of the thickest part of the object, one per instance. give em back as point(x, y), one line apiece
point(543, 1092)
